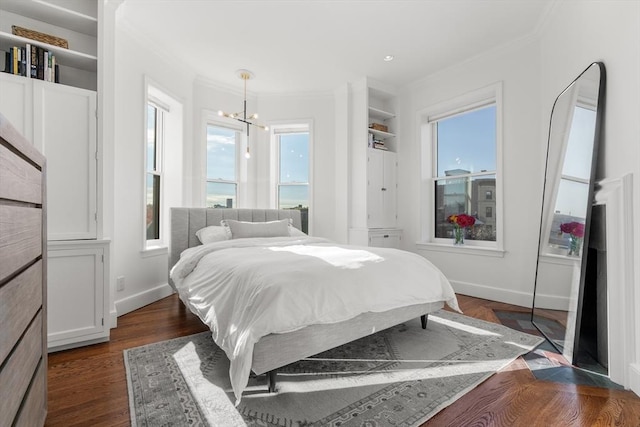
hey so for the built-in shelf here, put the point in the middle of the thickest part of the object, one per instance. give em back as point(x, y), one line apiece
point(76, 15)
point(67, 57)
point(381, 134)
point(380, 114)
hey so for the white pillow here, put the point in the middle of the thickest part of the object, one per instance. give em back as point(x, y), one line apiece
point(240, 229)
point(211, 234)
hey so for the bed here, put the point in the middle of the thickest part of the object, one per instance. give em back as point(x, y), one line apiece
point(331, 308)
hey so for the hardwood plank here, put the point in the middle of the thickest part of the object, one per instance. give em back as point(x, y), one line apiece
point(87, 386)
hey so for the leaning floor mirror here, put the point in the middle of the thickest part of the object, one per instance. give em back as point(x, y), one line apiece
point(572, 151)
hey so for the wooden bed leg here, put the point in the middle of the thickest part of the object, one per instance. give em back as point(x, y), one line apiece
point(271, 378)
point(423, 319)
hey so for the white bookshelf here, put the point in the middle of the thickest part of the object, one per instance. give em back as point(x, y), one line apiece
point(73, 20)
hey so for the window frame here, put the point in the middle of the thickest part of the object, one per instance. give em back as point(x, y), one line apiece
point(240, 145)
point(426, 118)
point(291, 127)
point(161, 110)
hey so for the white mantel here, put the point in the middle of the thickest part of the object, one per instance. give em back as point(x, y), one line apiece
point(617, 195)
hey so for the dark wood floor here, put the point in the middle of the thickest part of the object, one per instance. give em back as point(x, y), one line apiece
point(87, 386)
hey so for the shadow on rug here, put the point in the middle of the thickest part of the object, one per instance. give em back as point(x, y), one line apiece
point(401, 376)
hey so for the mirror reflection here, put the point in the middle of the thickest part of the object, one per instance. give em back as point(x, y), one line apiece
point(566, 209)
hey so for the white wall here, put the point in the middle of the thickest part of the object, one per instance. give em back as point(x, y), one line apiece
point(145, 273)
point(509, 277)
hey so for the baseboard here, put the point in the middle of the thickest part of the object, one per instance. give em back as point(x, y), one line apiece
point(141, 299)
point(523, 299)
point(113, 316)
point(634, 378)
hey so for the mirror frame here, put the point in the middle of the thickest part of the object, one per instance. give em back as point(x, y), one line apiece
point(597, 142)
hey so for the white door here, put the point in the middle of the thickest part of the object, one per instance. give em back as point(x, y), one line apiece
point(65, 131)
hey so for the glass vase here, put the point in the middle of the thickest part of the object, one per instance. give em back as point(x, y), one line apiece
point(458, 235)
point(575, 245)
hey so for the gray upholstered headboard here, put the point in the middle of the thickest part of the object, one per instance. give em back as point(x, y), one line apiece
point(186, 221)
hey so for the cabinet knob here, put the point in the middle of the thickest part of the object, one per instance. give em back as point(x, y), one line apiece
point(383, 189)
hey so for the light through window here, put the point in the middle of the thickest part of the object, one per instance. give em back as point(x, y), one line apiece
point(465, 166)
point(222, 183)
point(153, 179)
point(293, 174)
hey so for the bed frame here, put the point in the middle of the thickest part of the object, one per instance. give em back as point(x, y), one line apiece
point(277, 350)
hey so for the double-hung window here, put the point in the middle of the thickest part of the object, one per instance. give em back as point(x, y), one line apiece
point(162, 167)
point(461, 141)
point(153, 179)
point(222, 166)
point(292, 187)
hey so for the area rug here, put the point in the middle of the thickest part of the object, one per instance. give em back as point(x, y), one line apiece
point(401, 376)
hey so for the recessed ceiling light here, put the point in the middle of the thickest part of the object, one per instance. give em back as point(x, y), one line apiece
point(388, 58)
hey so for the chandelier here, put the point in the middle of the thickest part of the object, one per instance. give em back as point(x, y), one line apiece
point(242, 115)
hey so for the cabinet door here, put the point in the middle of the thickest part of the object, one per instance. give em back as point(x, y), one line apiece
point(389, 203)
point(385, 239)
point(15, 103)
point(65, 131)
point(75, 295)
point(375, 184)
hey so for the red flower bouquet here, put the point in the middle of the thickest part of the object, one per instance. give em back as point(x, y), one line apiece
point(460, 222)
point(575, 230)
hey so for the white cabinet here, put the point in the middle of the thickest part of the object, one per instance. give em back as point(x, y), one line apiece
point(76, 293)
point(385, 238)
point(378, 237)
point(373, 150)
point(65, 131)
point(381, 188)
point(16, 101)
point(61, 121)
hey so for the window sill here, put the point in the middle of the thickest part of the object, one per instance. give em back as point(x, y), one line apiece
point(463, 249)
point(560, 259)
point(153, 251)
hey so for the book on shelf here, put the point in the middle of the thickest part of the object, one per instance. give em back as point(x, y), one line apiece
point(32, 62)
point(379, 145)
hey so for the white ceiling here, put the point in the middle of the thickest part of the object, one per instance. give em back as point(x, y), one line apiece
point(295, 46)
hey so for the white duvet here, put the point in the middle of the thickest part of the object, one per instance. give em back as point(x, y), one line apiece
point(245, 289)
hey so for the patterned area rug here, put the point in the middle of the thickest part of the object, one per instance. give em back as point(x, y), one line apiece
point(401, 376)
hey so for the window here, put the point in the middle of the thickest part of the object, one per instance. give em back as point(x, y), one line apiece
point(162, 167)
point(461, 146)
point(292, 188)
point(153, 189)
point(222, 182)
point(573, 187)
